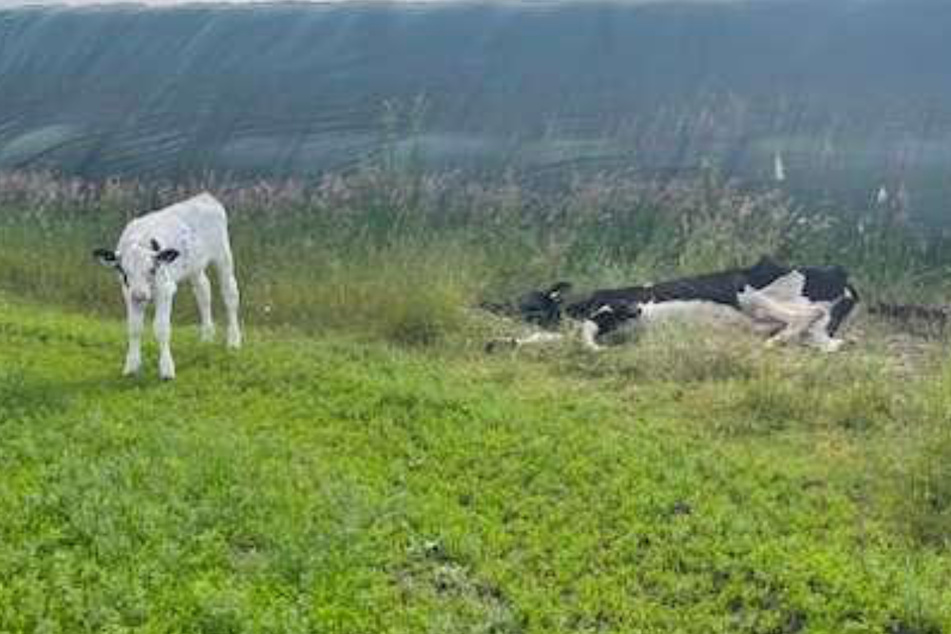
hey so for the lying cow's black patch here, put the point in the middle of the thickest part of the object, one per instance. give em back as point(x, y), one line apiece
point(722, 287)
point(824, 284)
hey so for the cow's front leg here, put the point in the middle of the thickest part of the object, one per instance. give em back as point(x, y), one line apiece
point(163, 331)
point(202, 288)
point(135, 322)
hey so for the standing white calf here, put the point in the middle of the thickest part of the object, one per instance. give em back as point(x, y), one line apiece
point(157, 251)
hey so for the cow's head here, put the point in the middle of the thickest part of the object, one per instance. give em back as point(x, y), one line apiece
point(543, 308)
point(138, 267)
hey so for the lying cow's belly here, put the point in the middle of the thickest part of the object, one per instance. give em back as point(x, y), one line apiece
point(693, 311)
point(706, 314)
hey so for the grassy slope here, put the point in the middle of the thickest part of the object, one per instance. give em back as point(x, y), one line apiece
point(335, 485)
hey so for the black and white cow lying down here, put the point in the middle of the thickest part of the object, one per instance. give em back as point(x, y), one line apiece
point(789, 304)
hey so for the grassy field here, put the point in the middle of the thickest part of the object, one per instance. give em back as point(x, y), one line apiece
point(362, 466)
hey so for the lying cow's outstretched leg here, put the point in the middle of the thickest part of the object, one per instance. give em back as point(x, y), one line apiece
point(798, 323)
point(230, 295)
point(518, 342)
point(588, 329)
point(202, 288)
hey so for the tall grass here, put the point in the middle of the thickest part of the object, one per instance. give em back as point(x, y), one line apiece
point(401, 253)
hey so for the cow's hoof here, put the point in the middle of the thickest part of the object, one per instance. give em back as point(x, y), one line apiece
point(166, 369)
point(206, 335)
point(234, 340)
point(832, 346)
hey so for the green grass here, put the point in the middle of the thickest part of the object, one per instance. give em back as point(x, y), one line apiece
point(339, 484)
point(362, 466)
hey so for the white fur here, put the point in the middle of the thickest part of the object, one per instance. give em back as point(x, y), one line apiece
point(693, 311)
point(198, 229)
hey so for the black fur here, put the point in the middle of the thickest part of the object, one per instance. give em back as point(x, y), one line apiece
point(167, 256)
point(825, 284)
point(543, 308)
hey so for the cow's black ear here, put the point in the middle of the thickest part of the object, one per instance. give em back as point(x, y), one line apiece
point(106, 257)
point(156, 246)
point(558, 289)
point(166, 256)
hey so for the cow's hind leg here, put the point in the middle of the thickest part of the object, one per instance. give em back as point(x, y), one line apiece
point(202, 288)
point(822, 333)
point(798, 323)
point(819, 337)
point(230, 295)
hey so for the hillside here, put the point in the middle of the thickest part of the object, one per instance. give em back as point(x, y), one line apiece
point(853, 93)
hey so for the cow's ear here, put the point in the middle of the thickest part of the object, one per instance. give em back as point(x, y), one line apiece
point(106, 257)
point(167, 256)
point(556, 291)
